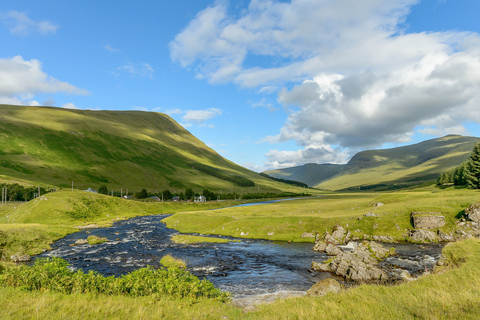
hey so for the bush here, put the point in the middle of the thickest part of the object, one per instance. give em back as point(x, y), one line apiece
point(53, 274)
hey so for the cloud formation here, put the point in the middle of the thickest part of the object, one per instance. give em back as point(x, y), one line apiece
point(143, 70)
point(20, 24)
point(21, 80)
point(362, 81)
point(200, 116)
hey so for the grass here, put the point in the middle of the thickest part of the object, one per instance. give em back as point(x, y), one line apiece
point(189, 239)
point(288, 220)
point(452, 293)
point(92, 240)
point(170, 262)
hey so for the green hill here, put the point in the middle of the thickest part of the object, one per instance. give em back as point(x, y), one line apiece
point(310, 173)
point(387, 168)
point(121, 149)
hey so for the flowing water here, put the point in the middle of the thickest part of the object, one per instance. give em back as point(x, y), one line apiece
point(249, 269)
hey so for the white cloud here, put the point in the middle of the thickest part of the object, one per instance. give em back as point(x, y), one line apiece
point(199, 116)
point(21, 80)
point(143, 70)
point(70, 105)
point(110, 48)
point(363, 80)
point(20, 24)
point(264, 104)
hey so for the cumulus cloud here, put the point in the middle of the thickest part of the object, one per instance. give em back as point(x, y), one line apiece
point(21, 80)
point(143, 70)
point(361, 80)
point(20, 24)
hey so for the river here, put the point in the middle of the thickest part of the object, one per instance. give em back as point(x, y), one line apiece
point(249, 269)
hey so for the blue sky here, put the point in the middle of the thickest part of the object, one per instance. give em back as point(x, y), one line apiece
point(267, 84)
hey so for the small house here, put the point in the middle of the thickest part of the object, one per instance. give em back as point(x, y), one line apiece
point(155, 198)
point(176, 199)
point(200, 199)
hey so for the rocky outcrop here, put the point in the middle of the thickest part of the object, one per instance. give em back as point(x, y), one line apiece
point(323, 287)
point(356, 261)
point(473, 212)
point(20, 257)
point(423, 236)
point(427, 220)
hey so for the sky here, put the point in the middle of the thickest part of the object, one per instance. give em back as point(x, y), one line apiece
point(267, 84)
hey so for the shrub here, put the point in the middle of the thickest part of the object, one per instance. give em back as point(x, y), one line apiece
point(53, 274)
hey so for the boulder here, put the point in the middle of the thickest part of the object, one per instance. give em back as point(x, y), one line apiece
point(332, 250)
point(81, 241)
point(473, 212)
point(323, 287)
point(20, 257)
point(308, 235)
point(370, 214)
point(359, 263)
point(445, 236)
point(423, 236)
point(379, 204)
point(427, 220)
point(320, 246)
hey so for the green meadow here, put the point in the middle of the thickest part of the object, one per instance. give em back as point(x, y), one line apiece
point(288, 220)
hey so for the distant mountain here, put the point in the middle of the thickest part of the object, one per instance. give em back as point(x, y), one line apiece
point(387, 168)
point(310, 173)
point(121, 149)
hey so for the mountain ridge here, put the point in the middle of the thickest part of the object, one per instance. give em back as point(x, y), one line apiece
point(122, 149)
point(401, 166)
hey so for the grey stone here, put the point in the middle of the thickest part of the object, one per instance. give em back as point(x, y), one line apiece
point(323, 287)
point(370, 214)
point(320, 246)
point(20, 257)
point(308, 235)
point(332, 250)
point(473, 212)
point(427, 220)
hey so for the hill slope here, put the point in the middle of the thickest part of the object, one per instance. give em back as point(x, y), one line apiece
point(385, 168)
point(128, 149)
point(310, 173)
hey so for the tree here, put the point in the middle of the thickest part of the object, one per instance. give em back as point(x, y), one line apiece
point(103, 189)
point(459, 175)
point(189, 194)
point(142, 194)
point(473, 168)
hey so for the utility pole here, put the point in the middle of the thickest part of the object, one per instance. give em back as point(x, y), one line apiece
point(162, 196)
point(72, 186)
point(121, 192)
point(39, 191)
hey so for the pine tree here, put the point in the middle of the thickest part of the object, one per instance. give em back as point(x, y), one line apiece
point(459, 175)
point(473, 168)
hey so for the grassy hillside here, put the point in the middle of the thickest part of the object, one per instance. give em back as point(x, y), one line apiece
point(405, 166)
point(128, 149)
point(310, 173)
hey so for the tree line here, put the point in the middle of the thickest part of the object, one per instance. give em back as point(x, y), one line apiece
point(17, 192)
point(466, 174)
